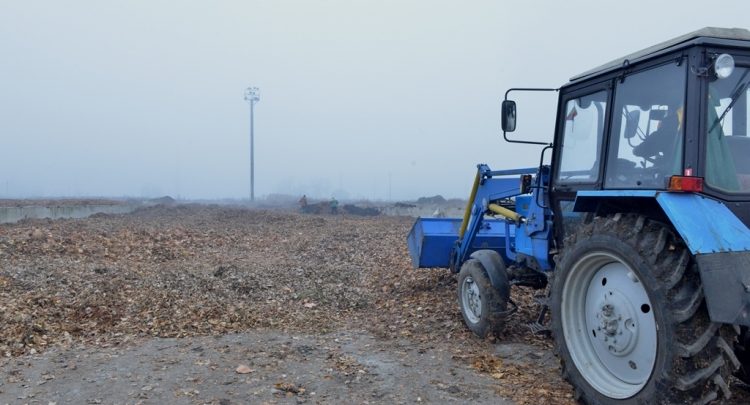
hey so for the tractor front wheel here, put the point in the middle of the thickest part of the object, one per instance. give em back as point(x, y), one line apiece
point(481, 304)
point(629, 320)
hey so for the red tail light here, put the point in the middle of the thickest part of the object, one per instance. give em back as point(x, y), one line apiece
point(685, 183)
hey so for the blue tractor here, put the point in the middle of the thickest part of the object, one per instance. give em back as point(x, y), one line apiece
point(636, 231)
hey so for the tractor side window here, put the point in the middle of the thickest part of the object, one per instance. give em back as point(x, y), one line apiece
point(645, 148)
point(728, 140)
point(582, 138)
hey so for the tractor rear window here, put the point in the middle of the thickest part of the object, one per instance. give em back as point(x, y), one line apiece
point(646, 145)
point(728, 144)
point(582, 139)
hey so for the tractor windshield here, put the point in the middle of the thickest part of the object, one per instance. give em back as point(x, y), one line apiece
point(647, 128)
point(727, 143)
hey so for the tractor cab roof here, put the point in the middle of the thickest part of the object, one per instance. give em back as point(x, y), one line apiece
point(703, 36)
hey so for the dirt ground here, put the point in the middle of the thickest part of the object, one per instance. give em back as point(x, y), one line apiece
point(203, 304)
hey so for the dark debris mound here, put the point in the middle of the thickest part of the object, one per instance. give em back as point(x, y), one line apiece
point(437, 199)
point(360, 211)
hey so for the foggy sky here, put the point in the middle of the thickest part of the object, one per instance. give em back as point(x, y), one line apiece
point(359, 99)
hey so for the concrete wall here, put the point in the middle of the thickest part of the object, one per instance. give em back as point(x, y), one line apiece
point(15, 214)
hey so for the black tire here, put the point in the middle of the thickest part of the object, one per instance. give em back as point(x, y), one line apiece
point(742, 350)
point(693, 359)
point(488, 316)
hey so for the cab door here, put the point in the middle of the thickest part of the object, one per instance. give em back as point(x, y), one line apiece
point(577, 159)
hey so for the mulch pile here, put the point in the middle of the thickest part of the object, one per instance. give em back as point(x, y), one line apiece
point(204, 270)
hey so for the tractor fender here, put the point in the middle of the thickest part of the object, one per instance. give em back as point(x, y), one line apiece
point(718, 241)
point(495, 267)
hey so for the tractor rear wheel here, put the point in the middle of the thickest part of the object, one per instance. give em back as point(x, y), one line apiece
point(481, 304)
point(629, 320)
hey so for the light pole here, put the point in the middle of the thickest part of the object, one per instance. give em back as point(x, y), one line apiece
point(252, 96)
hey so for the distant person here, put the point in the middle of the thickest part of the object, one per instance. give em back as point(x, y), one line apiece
point(334, 204)
point(303, 204)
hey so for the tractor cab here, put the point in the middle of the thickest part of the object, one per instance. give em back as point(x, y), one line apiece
point(672, 117)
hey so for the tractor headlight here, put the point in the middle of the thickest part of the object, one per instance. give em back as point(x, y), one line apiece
point(724, 65)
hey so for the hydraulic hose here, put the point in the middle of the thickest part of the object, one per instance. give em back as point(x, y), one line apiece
point(505, 212)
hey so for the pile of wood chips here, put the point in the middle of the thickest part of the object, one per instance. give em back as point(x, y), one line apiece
point(207, 270)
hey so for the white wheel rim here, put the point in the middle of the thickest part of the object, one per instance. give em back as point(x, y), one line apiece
point(471, 300)
point(609, 326)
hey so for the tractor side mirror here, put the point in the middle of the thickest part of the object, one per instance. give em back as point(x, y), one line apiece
point(632, 119)
point(509, 115)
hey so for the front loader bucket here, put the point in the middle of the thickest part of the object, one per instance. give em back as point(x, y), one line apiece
point(432, 239)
